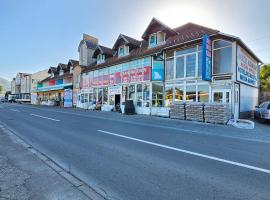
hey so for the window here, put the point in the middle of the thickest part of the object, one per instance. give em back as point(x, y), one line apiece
point(191, 93)
point(139, 95)
point(169, 96)
point(218, 97)
point(100, 91)
point(179, 93)
point(199, 64)
point(185, 51)
point(61, 72)
point(123, 51)
point(190, 65)
point(100, 58)
point(146, 95)
point(203, 93)
point(160, 37)
point(169, 68)
point(131, 92)
point(222, 57)
point(157, 94)
point(152, 40)
point(180, 67)
point(105, 95)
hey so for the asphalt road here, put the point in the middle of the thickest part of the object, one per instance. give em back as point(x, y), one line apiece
point(143, 160)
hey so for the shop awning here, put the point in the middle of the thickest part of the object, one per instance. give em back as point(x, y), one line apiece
point(54, 87)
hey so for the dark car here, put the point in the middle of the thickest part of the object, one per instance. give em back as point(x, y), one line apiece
point(262, 112)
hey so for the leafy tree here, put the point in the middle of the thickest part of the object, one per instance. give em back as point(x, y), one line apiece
point(265, 78)
point(1, 89)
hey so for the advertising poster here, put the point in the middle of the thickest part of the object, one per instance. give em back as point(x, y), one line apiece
point(117, 77)
point(247, 68)
point(206, 58)
point(106, 80)
point(125, 76)
point(112, 79)
point(146, 73)
point(113, 90)
point(133, 75)
point(158, 70)
point(68, 98)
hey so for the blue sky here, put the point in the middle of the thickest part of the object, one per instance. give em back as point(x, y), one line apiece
point(36, 34)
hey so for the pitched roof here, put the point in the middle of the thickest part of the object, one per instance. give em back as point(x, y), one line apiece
point(103, 50)
point(127, 40)
point(185, 34)
point(52, 69)
point(72, 63)
point(161, 25)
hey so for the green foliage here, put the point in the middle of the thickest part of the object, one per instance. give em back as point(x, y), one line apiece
point(265, 78)
point(1, 88)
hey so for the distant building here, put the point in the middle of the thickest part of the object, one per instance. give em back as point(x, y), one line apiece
point(21, 87)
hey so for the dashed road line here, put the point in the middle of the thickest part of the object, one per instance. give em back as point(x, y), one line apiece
point(40, 116)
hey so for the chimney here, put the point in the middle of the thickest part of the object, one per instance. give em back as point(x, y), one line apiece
point(90, 38)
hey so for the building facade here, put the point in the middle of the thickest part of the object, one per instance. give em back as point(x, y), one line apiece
point(190, 63)
point(21, 87)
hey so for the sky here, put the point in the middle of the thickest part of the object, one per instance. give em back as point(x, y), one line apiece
point(37, 34)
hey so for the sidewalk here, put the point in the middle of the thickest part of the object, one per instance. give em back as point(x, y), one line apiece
point(25, 176)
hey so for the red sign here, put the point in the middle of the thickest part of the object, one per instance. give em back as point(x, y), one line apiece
point(146, 73)
point(112, 79)
point(134, 75)
point(106, 79)
point(117, 77)
point(52, 82)
point(125, 77)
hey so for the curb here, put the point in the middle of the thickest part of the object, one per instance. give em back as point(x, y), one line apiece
point(86, 189)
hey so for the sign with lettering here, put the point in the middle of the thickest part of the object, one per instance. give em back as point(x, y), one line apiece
point(113, 90)
point(206, 58)
point(68, 98)
point(247, 68)
point(158, 68)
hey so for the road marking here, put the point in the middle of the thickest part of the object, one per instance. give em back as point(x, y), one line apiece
point(190, 152)
point(57, 120)
point(15, 110)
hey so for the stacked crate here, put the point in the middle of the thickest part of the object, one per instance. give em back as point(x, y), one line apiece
point(194, 112)
point(217, 113)
point(177, 111)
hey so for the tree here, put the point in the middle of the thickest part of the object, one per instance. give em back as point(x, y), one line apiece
point(1, 89)
point(265, 78)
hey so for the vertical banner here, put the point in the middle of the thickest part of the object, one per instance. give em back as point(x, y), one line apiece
point(68, 98)
point(158, 68)
point(206, 58)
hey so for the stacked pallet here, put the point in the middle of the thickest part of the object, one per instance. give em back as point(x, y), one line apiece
point(217, 113)
point(194, 112)
point(177, 111)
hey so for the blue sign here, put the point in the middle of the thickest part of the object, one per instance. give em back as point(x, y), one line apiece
point(206, 58)
point(158, 69)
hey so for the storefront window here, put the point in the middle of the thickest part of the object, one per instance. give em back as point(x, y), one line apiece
point(139, 95)
point(179, 93)
point(191, 93)
point(180, 65)
point(100, 91)
point(169, 95)
point(185, 51)
point(105, 95)
point(218, 97)
point(203, 93)
point(131, 92)
point(190, 65)
point(222, 57)
point(157, 94)
point(199, 64)
point(146, 95)
point(124, 93)
point(111, 100)
point(169, 68)
point(95, 95)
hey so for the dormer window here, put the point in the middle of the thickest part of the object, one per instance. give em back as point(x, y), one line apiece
point(100, 58)
point(61, 72)
point(156, 39)
point(52, 75)
point(123, 51)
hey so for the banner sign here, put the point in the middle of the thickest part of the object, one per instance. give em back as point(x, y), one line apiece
point(113, 90)
point(206, 58)
point(146, 73)
point(158, 68)
point(68, 98)
point(247, 68)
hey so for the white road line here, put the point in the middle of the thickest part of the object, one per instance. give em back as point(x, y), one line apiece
point(190, 152)
point(15, 110)
point(57, 120)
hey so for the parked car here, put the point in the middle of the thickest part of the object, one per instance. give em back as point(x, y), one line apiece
point(262, 112)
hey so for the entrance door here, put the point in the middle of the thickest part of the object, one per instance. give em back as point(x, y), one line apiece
point(236, 101)
point(221, 96)
point(117, 102)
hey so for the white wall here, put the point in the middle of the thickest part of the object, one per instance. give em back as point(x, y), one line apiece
point(248, 97)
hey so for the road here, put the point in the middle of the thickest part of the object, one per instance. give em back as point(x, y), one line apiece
point(144, 160)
